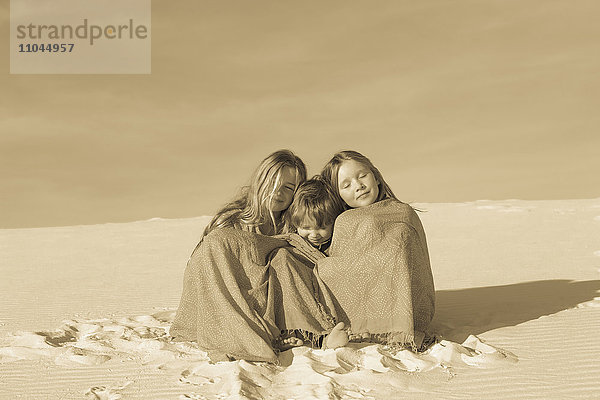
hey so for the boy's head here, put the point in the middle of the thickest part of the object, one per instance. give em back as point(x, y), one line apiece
point(314, 210)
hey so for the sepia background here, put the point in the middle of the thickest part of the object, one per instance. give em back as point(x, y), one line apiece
point(456, 102)
point(452, 100)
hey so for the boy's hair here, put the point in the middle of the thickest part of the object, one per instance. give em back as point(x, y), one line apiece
point(331, 169)
point(251, 208)
point(316, 200)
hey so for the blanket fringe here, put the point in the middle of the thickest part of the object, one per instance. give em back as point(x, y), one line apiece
point(394, 340)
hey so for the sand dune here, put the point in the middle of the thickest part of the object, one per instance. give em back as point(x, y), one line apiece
point(87, 309)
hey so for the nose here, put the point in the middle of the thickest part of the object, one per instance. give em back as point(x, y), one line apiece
point(359, 186)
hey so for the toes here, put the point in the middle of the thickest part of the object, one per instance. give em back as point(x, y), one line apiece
point(290, 342)
point(294, 342)
point(286, 343)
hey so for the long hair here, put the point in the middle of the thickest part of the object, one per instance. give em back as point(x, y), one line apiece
point(331, 169)
point(251, 208)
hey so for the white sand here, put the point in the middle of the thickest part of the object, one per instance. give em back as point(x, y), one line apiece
point(85, 311)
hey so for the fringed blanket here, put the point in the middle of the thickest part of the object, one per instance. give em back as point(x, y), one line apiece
point(379, 273)
point(242, 289)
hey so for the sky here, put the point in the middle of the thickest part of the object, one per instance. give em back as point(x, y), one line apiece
point(453, 101)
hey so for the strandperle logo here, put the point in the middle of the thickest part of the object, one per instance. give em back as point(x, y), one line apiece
point(85, 30)
point(80, 37)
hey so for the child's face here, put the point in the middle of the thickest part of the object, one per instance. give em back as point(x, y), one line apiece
point(316, 235)
point(357, 184)
point(284, 193)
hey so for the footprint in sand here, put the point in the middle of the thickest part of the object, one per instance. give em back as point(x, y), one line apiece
point(75, 355)
point(107, 393)
point(597, 253)
point(59, 337)
point(199, 380)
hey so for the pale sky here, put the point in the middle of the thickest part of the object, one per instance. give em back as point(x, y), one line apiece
point(452, 100)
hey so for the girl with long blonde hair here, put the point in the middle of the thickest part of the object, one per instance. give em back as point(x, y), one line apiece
point(258, 206)
point(246, 291)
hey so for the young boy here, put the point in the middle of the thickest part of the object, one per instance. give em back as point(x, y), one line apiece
point(313, 212)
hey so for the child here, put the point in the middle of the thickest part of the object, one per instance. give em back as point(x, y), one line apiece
point(356, 181)
point(392, 243)
point(259, 206)
point(221, 273)
point(313, 212)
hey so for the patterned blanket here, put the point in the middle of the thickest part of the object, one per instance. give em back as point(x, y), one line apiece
point(241, 289)
point(379, 273)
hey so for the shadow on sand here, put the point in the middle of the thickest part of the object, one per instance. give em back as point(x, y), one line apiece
point(476, 310)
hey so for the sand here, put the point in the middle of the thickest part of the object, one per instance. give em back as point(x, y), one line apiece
point(86, 312)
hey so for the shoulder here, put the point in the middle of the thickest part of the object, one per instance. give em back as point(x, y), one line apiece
point(393, 206)
point(380, 207)
point(228, 219)
point(389, 211)
point(220, 235)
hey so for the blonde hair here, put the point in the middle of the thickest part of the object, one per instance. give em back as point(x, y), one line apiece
point(331, 169)
point(251, 208)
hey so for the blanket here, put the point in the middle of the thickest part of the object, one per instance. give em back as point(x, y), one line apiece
point(242, 289)
point(379, 273)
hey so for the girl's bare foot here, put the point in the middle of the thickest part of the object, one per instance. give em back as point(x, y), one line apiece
point(338, 337)
point(284, 343)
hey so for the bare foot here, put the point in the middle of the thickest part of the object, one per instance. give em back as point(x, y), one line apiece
point(284, 343)
point(338, 337)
